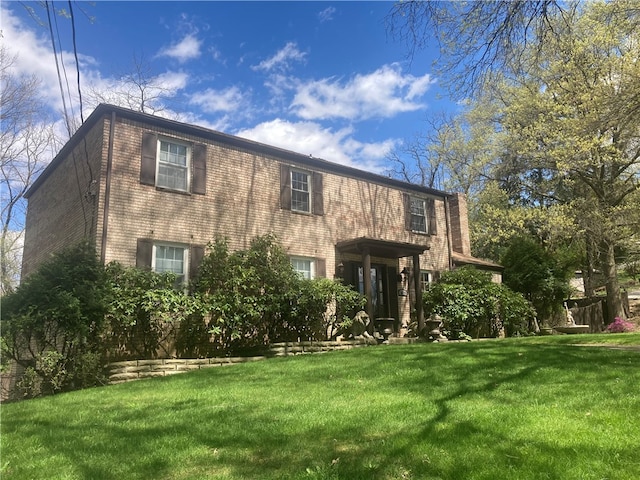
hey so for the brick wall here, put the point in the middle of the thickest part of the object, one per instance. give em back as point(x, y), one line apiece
point(242, 201)
point(460, 241)
point(64, 209)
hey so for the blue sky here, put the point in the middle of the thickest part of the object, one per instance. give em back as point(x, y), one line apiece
point(319, 78)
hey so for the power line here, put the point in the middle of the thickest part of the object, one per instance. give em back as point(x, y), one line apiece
point(75, 53)
point(55, 54)
point(64, 71)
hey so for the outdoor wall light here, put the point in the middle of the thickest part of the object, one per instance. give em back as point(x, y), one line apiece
point(404, 274)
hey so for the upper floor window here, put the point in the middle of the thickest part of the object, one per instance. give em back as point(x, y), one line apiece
point(420, 214)
point(301, 191)
point(173, 165)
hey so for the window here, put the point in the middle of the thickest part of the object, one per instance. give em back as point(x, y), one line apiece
point(300, 192)
point(418, 215)
point(183, 260)
point(305, 267)
point(170, 258)
point(173, 165)
point(425, 279)
point(309, 268)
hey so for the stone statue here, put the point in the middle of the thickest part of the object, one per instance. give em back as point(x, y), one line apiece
point(570, 320)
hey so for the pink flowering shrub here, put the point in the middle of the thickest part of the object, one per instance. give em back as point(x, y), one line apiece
point(620, 326)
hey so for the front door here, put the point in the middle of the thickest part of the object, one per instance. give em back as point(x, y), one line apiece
point(378, 290)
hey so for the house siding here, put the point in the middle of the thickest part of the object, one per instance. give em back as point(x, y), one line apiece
point(241, 200)
point(65, 209)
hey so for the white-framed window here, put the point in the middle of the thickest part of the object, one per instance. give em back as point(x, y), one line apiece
point(418, 211)
point(305, 267)
point(300, 191)
point(171, 258)
point(426, 278)
point(173, 165)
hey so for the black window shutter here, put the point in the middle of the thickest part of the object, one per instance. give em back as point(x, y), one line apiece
point(406, 200)
point(148, 161)
point(321, 268)
point(144, 252)
point(431, 212)
point(285, 187)
point(195, 258)
point(318, 196)
point(199, 163)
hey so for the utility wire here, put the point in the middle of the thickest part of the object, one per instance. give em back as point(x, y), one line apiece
point(90, 195)
point(75, 53)
point(55, 54)
point(64, 71)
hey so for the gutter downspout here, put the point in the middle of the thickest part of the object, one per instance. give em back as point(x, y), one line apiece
point(107, 189)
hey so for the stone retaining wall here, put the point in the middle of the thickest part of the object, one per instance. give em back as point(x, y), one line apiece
point(127, 371)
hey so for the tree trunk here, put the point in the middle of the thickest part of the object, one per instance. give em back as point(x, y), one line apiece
point(588, 269)
point(615, 307)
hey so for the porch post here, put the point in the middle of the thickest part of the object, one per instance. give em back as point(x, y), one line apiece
point(366, 274)
point(418, 288)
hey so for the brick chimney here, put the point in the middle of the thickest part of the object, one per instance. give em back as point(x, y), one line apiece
point(460, 242)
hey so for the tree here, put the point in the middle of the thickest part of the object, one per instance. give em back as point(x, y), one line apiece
point(477, 39)
point(453, 153)
point(535, 272)
point(27, 142)
point(566, 78)
point(571, 140)
point(137, 89)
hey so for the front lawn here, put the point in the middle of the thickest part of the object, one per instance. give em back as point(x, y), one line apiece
point(519, 409)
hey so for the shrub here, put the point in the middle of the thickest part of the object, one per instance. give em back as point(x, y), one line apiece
point(321, 308)
point(55, 318)
point(620, 326)
point(246, 295)
point(144, 311)
point(469, 302)
point(254, 297)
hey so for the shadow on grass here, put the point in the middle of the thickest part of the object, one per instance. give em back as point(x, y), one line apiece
point(481, 410)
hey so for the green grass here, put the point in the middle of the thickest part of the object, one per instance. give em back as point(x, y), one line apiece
point(520, 409)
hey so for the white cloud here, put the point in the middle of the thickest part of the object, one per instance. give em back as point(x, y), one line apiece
point(214, 101)
point(171, 82)
point(326, 14)
point(383, 93)
point(282, 59)
point(186, 49)
point(310, 138)
point(34, 57)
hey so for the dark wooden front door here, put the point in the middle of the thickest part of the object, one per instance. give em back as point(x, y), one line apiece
point(383, 285)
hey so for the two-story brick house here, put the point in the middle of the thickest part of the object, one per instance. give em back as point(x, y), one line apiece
point(153, 192)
